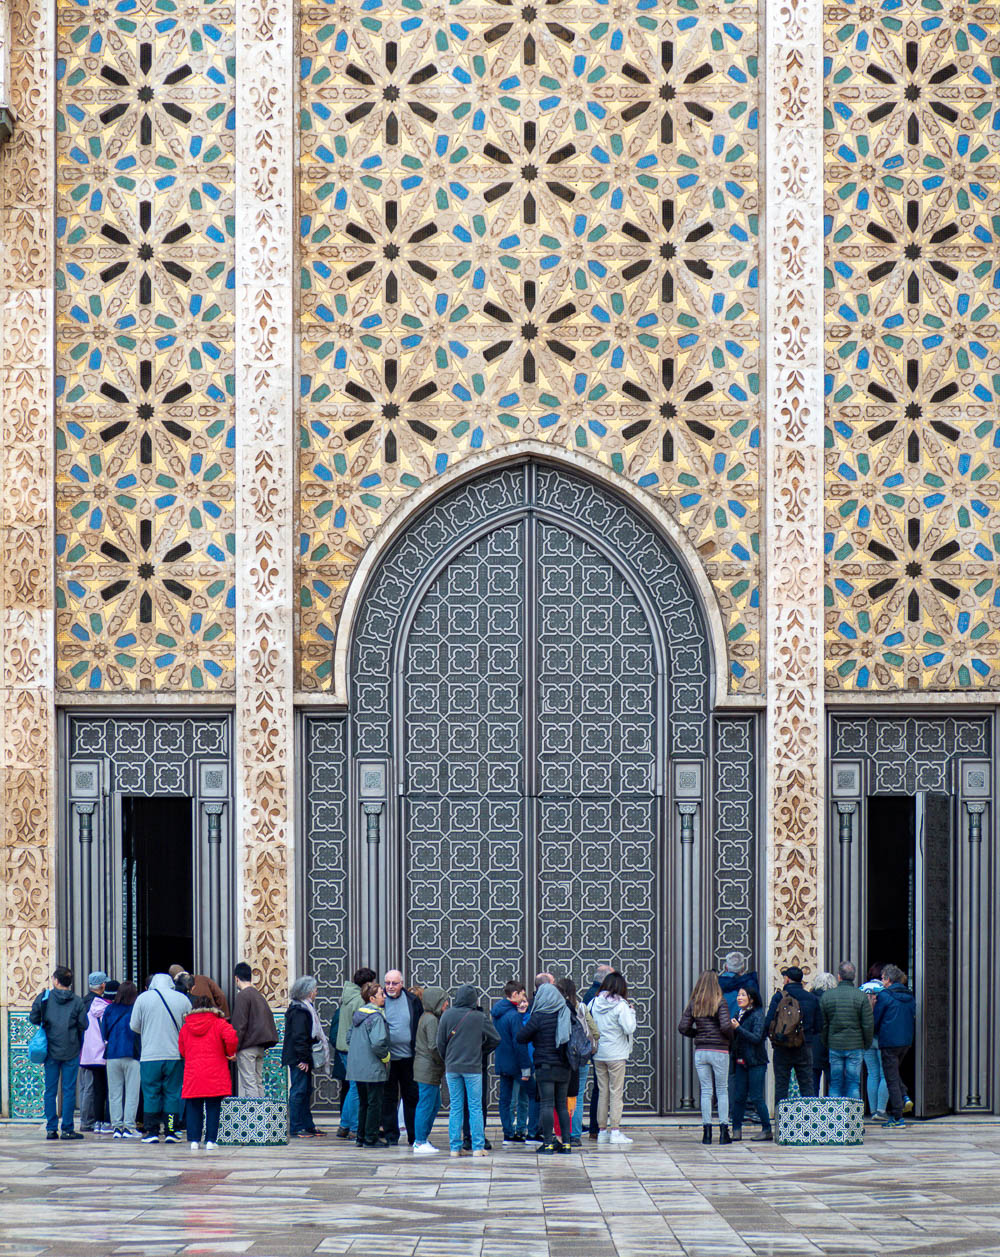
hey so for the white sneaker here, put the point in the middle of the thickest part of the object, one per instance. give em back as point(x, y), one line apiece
point(480, 1152)
point(617, 1137)
point(455, 1152)
point(194, 1147)
point(212, 1147)
point(604, 1137)
point(424, 1150)
point(107, 1128)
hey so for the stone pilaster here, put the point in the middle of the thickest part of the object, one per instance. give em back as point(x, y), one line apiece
point(265, 440)
point(794, 484)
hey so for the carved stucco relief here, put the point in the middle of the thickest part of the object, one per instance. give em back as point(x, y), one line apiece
point(794, 567)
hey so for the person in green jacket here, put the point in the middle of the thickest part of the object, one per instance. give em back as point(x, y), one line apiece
point(428, 1068)
point(848, 1027)
point(350, 1002)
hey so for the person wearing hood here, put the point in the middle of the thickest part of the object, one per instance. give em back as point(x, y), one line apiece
point(305, 1050)
point(92, 1059)
point(614, 1016)
point(60, 1011)
point(85, 1098)
point(895, 1023)
point(464, 1030)
point(428, 1068)
point(207, 1043)
point(368, 1062)
point(350, 1002)
point(547, 1028)
point(157, 1016)
point(512, 1063)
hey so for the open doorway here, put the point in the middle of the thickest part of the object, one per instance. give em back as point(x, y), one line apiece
point(157, 884)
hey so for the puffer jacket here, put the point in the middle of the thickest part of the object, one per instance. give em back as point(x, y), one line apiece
point(710, 1034)
point(512, 1058)
point(748, 1042)
point(206, 1042)
point(428, 1067)
point(895, 1016)
point(368, 1045)
point(540, 1031)
point(848, 1023)
point(615, 1021)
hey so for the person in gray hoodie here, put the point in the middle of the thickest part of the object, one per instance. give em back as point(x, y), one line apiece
point(428, 1068)
point(463, 1031)
point(156, 1017)
point(368, 1063)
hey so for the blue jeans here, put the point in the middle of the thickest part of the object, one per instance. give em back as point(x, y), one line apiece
point(427, 1110)
point(576, 1123)
point(878, 1088)
point(513, 1105)
point(748, 1081)
point(349, 1109)
point(845, 1074)
point(300, 1090)
point(67, 1071)
point(466, 1089)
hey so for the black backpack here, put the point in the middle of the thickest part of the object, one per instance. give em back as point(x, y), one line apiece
point(581, 1047)
point(786, 1030)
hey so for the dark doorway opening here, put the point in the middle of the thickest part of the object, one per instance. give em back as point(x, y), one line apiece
point(157, 885)
point(891, 880)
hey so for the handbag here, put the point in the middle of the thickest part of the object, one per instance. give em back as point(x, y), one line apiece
point(38, 1044)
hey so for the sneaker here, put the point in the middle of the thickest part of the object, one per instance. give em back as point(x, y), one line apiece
point(481, 1152)
point(765, 1137)
point(119, 1134)
point(604, 1137)
point(107, 1128)
point(425, 1149)
point(508, 1142)
point(879, 1116)
point(547, 1150)
point(210, 1147)
point(533, 1139)
point(457, 1152)
point(907, 1105)
point(75, 1134)
point(151, 1139)
point(130, 1134)
point(171, 1137)
point(894, 1123)
point(575, 1141)
point(567, 1148)
point(342, 1133)
point(193, 1146)
point(52, 1134)
point(593, 1134)
point(466, 1145)
point(618, 1137)
point(517, 1139)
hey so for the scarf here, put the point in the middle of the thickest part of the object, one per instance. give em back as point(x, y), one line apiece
point(317, 1033)
point(549, 999)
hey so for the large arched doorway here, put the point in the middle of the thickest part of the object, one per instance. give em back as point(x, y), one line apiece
point(529, 661)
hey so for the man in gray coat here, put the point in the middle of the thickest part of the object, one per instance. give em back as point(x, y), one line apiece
point(156, 1017)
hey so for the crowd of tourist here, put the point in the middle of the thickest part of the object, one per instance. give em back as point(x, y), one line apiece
point(163, 1060)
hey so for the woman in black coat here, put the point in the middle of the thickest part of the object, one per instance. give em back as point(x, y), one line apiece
point(748, 1063)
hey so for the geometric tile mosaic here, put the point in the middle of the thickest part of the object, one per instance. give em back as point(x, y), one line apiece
point(913, 372)
point(529, 220)
point(144, 345)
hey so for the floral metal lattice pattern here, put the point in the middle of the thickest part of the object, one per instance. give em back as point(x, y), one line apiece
point(144, 330)
point(913, 310)
point(529, 220)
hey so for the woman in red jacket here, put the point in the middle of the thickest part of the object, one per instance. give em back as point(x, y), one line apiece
point(207, 1043)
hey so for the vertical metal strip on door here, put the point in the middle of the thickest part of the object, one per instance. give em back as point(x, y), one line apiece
point(932, 970)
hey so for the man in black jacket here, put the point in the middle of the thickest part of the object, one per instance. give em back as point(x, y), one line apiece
point(798, 1058)
point(402, 1011)
point(64, 1017)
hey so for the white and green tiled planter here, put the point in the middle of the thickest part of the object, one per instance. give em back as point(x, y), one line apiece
point(814, 1122)
point(253, 1123)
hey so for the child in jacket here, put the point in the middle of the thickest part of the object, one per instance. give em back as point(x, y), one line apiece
point(207, 1043)
point(368, 1062)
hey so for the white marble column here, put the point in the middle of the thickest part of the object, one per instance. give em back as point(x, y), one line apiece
point(794, 480)
point(265, 494)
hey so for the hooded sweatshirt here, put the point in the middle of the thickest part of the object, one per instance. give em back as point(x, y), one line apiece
point(428, 1067)
point(157, 1016)
point(615, 1021)
point(512, 1058)
point(895, 1016)
point(350, 1002)
point(463, 1032)
point(206, 1042)
point(368, 1045)
point(65, 1020)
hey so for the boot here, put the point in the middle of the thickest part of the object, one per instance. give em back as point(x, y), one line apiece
point(707, 1135)
point(737, 1134)
point(724, 1134)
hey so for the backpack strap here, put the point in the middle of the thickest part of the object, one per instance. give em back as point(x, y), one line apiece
point(169, 1013)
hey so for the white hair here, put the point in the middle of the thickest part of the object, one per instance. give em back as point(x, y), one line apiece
point(736, 962)
point(302, 987)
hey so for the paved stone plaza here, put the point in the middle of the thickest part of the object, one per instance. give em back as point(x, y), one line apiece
point(930, 1190)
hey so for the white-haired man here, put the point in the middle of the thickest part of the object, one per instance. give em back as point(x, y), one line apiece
point(402, 1011)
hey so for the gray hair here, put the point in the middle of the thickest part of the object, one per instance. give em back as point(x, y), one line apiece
point(846, 971)
point(302, 987)
point(824, 982)
point(736, 962)
point(602, 970)
point(892, 973)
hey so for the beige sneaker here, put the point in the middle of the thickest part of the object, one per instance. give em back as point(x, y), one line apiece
point(480, 1152)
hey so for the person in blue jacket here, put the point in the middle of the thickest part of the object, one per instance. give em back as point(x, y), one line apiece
point(895, 1022)
point(733, 977)
point(512, 1063)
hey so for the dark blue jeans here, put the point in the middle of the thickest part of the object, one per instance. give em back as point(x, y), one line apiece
point(193, 1118)
point(744, 1081)
point(300, 1092)
point(67, 1071)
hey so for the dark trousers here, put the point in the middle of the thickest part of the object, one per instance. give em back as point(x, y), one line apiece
point(892, 1058)
point(785, 1060)
point(66, 1072)
point(202, 1111)
point(371, 1101)
point(593, 1127)
point(400, 1083)
point(161, 1093)
point(553, 1088)
point(300, 1092)
point(747, 1081)
point(99, 1077)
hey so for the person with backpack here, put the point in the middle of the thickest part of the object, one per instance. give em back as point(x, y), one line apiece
point(580, 1049)
point(157, 1016)
point(748, 1063)
point(706, 1020)
point(614, 1018)
point(464, 1030)
point(368, 1056)
point(122, 1051)
point(207, 1043)
point(793, 1018)
point(848, 1029)
point(895, 1023)
point(59, 1011)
